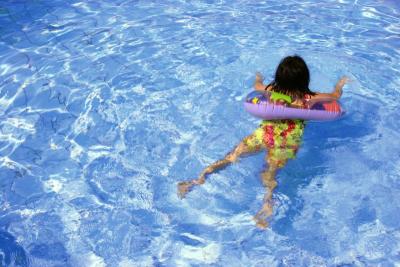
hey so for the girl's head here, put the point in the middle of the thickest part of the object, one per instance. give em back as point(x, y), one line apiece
point(292, 77)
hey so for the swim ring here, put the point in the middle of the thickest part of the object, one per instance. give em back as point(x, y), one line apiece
point(270, 105)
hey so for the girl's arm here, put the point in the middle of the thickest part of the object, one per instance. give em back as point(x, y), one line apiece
point(335, 95)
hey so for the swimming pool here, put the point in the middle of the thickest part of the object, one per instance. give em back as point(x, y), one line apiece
point(106, 105)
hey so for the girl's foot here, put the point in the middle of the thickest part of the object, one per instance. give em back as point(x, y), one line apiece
point(184, 188)
point(262, 224)
point(263, 214)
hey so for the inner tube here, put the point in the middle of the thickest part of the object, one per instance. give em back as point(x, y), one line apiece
point(270, 105)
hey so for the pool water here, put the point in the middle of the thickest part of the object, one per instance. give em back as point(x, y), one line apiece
point(106, 105)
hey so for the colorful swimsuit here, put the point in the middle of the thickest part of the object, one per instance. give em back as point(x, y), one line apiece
point(282, 138)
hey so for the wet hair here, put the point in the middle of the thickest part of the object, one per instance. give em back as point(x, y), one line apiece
point(292, 77)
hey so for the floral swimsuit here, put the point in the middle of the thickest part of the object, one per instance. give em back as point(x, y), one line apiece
point(282, 138)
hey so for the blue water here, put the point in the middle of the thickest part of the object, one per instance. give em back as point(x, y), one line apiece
point(106, 105)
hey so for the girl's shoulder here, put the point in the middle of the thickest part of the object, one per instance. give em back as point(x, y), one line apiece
point(269, 87)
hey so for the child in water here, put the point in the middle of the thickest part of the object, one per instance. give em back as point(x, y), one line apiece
point(281, 138)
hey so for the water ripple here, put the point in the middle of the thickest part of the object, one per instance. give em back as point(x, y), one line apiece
point(104, 106)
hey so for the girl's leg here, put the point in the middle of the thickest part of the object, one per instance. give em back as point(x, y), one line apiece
point(286, 138)
point(239, 150)
point(270, 183)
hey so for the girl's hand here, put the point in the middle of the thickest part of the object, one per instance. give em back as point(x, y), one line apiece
point(342, 82)
point(339, 86)
point(259, 77)
point(258, 84)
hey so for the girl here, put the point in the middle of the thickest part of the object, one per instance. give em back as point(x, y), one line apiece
point(281, 138)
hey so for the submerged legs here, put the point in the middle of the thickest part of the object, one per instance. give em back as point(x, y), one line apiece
point(267, 177)
point(185, 186)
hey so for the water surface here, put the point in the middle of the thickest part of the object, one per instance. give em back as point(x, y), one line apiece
point(105, 106)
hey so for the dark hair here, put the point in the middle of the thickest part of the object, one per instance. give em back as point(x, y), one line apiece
point(292, 77)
